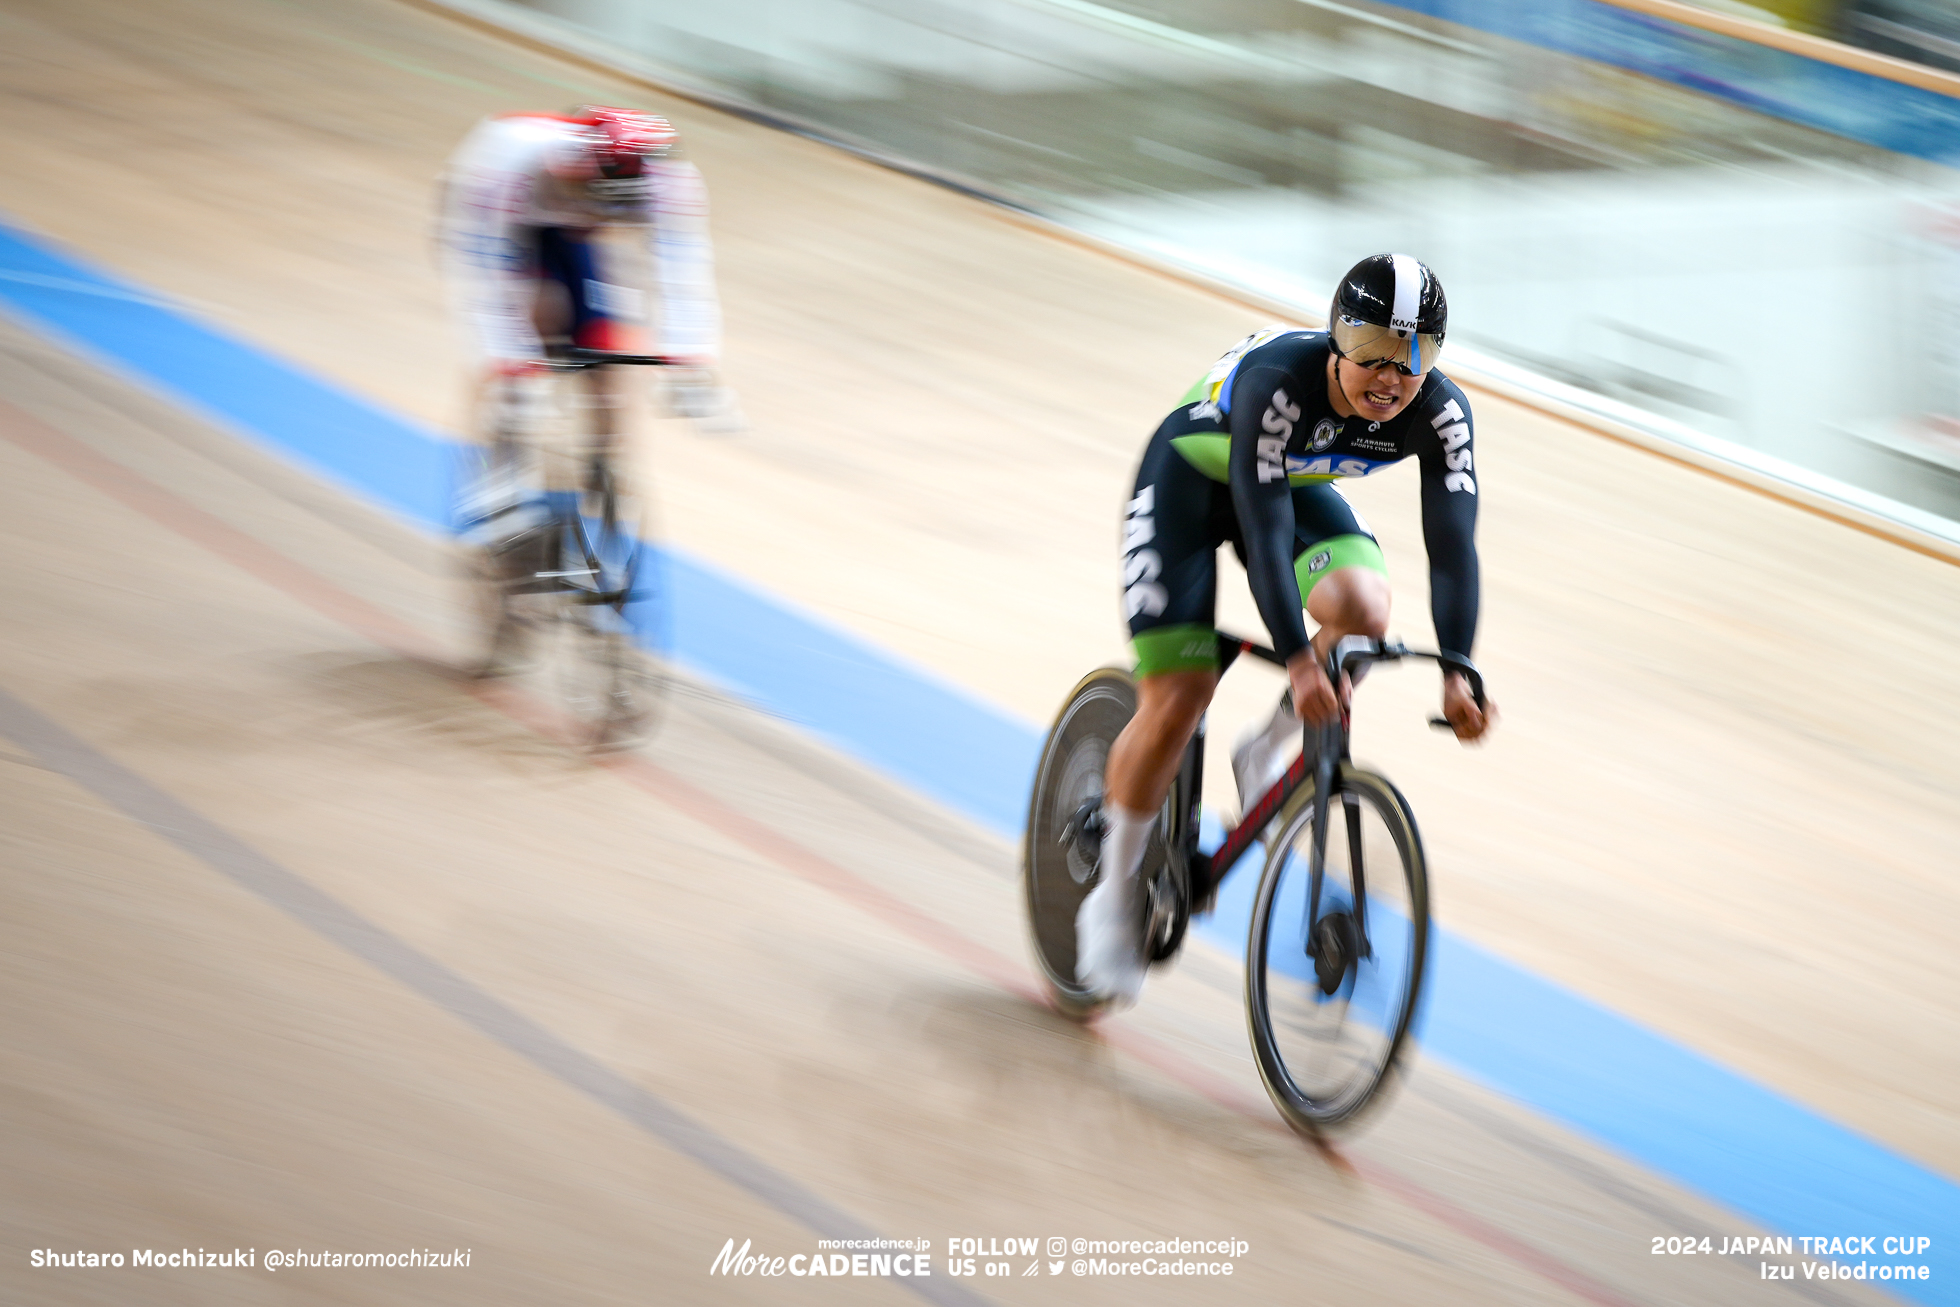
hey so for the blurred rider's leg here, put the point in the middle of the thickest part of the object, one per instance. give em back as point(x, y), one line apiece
point(569, 260)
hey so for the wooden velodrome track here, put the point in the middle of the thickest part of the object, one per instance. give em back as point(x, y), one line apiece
point(1722, 799)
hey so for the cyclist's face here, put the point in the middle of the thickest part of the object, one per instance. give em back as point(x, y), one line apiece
point(1376, 394)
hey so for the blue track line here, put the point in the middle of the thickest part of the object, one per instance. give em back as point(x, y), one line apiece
point(1673, 1110)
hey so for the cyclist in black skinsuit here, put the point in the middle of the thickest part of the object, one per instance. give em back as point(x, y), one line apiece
point(1251, 456)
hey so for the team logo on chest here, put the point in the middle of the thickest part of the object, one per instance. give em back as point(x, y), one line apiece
point(1324, 434)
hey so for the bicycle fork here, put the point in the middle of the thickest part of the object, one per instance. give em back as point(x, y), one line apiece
point(1337, 942)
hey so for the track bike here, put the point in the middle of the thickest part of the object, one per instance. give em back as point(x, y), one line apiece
point(1339, 928)
point(565, 589)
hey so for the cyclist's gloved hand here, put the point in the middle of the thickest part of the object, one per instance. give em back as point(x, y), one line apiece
point(1460, 708)
point(697, 393)
point(1313, 695)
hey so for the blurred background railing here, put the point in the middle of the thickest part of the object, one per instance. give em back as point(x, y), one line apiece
point(1760, 245)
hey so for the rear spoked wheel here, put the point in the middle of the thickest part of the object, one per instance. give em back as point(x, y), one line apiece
point(610, 687)
point(583, 667)
point(496, 643)
point(504, 541)
point(1335, 961)
point(565, 596)
point(1063, 841)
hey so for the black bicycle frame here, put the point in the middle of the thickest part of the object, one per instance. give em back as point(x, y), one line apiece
point(1207, 870)
point(578, 359)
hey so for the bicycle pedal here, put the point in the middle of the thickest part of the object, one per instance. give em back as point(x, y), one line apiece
point(1086, 825)
point(1164, 915)
point(1081, 841)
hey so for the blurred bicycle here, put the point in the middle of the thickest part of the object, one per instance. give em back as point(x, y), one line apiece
point(566, 593)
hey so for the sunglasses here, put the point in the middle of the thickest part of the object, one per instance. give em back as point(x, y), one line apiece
point(1368, 346)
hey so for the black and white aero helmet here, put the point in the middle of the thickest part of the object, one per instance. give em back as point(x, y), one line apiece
point(1389, 309)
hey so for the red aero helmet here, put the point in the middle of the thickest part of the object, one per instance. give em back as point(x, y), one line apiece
point(623, 139)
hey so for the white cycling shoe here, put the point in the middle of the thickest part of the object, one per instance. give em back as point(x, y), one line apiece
point(1262, 754)
point(497, 509)
point(1109, 940)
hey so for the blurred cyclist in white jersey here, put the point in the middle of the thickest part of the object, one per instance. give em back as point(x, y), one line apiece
point(523, 204)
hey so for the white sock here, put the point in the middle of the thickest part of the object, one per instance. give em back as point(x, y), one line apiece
point(1282, 730)
point(1125, 836)
point(1258, 753)
point(1108, 949)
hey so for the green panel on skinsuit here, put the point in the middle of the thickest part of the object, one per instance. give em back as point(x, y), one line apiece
point(1208, 452)
point(1334, 553)
point(1176, 649)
